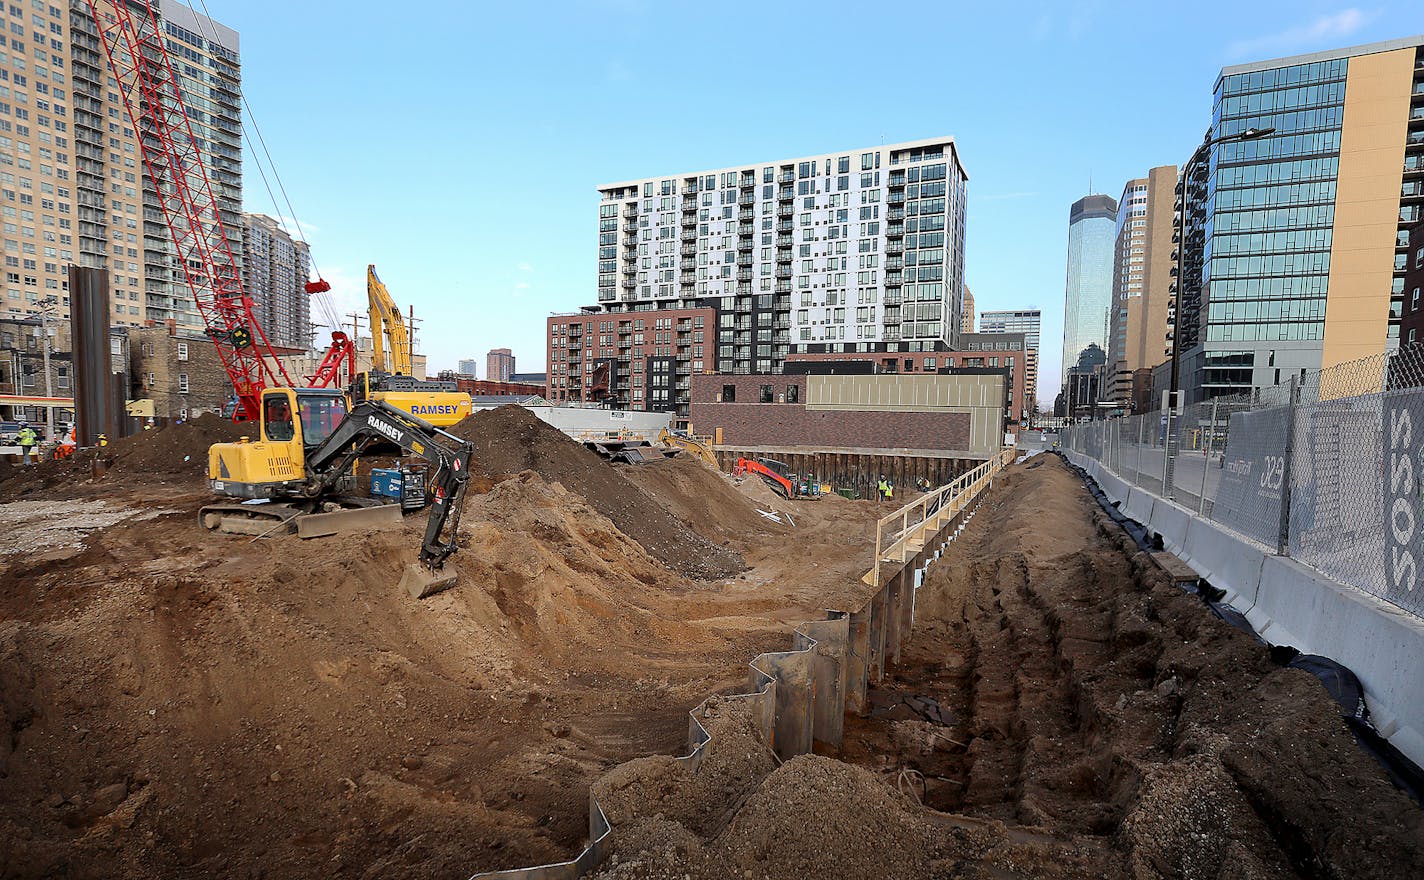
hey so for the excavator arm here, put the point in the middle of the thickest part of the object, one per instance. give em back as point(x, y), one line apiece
point(374, 422)
point(387, 326)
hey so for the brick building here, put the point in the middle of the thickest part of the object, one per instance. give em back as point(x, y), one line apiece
point(23, 387)
point(901, 412)
point(180, 374)
point(638, 360)
point(978, 351)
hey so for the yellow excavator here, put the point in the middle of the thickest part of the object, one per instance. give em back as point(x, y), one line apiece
point(298, 475)
point(393, 382)
point(689, 443)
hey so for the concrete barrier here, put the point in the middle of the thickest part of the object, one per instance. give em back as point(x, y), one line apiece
point(1231, 562)
point(1138, 504)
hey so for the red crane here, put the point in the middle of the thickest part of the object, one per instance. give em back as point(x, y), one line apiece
point(132, 37)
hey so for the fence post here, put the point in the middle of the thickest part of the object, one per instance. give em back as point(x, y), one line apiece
point(1283, 533)
point(1206, 459)
point(1167, 452)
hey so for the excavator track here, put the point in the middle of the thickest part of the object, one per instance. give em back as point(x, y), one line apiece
point(307, 520)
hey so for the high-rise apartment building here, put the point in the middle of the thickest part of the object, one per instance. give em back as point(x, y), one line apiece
point(79, 150)
point(1139, 329)
point(44, 207)
point(1092, 222)
point(468, 367)
point(858, 250)
point(966, 318)
point(499, 364)
point(1028, 322)
point(1303, 234)
point(205, 58)
point(275, 268)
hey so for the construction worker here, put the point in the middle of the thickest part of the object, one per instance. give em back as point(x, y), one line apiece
point(883, 488)
point(26, 440)
point(889, 490)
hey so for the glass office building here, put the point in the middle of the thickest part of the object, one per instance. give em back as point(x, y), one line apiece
point(1092, 225)
point(1301, 228)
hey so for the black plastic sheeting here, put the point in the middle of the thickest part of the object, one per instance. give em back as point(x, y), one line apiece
point(1343, 685)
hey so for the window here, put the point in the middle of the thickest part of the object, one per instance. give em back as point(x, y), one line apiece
point(793, 394)
point(767, 394)
point(729, 393)
point(182, 351)
point(182, 383)
point(277, 417)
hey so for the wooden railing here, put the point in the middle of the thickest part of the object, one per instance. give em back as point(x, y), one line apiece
point(903, 533)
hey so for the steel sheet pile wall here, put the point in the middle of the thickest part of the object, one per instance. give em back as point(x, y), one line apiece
point(799, 698)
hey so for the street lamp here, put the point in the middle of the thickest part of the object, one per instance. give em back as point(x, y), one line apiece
point(1249, 134)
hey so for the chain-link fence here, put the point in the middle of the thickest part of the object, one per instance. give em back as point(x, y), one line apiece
point(1328, 468)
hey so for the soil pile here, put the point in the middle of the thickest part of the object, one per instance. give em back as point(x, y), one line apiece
point(702, 497)
point(176, 450)
point(510, 439)
point(176, 454)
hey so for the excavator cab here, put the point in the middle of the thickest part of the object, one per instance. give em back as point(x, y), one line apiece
point(292, 422)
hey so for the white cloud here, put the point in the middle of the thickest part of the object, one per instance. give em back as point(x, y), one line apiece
point(525, 267)
point(1322, 29)
point(523, 285)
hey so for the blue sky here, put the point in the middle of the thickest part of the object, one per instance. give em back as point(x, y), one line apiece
point(458, 145)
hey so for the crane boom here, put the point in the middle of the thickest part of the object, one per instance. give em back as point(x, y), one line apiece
point(148, 86)
point(387, 322)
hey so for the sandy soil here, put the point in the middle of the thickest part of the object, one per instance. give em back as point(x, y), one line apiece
point(1062, 711)
point(180, 703)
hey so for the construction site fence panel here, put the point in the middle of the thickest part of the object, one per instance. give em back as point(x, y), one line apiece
point(1327, 468)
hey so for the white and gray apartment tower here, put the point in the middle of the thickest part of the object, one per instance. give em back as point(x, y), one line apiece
point(847, 251)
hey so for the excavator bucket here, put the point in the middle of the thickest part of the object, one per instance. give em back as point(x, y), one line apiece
point(420, 581)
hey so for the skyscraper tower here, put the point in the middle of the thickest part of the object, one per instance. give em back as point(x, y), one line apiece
point(1092, 223)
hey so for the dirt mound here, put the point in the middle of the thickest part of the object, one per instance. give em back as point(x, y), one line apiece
point(702, 497)
point(172, 454)
point(179, 450)
point(510, 439)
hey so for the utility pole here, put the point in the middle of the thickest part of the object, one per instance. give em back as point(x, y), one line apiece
point(45, 308)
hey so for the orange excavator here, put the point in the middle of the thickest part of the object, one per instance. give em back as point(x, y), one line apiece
point(777, 475)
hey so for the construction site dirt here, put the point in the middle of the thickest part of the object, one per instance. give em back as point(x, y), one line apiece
point(175, 702)
point(180, 702)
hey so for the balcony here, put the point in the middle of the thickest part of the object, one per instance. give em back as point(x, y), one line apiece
point(783, 287)
point(895, 214)
point(896, 180)
point(783, 255)
point(784, 241)
point(785, 194)
point(687, 266)
point(893, 279)
point(746, 215)
point(744, 275)
point(786, 177)
point(688, 250)
point(784, 226)
point(689, 206)
point(631, 228)
point(687, 280)
point(630, 284)
point(894, 264)
point(630, 212)
point(895, 230)
point(745, 243)
point(689, 233)
point(783, 271)
point(746, 199)
point(895, 198)
point(744, 259)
